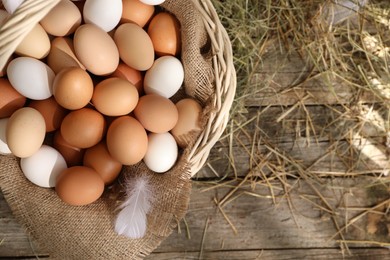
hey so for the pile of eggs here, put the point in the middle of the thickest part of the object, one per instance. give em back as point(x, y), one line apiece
point(90, 90)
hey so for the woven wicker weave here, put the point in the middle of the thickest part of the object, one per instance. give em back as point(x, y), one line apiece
point(217, 79)
point(32, 11)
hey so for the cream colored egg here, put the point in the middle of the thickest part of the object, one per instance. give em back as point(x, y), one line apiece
point(25, 132)
point(36, 44)
point(135, 46)
point(188, 125)
point(62, 55)
point(96, 50)
point(63, 19)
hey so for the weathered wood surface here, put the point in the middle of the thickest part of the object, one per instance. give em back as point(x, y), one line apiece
point(294, 117)
point(261, 223)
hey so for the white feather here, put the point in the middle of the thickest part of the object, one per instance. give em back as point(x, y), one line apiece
point(131, 220)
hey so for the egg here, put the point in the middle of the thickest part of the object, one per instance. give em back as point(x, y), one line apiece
point(31, 77)
point(62, 55)
point(127, 140)
point(162, 152)
point(83, 128)
point(43, 167)
point(164, 31)
point(11, 100)
point(51, 111)
point(79, 185)
point(72, 155)
point(63, 19)
point(11, 5)
point(99, 159)
point(4, 149)
point(115, 97)
point(133, 76)
point(188, 124)
point(135, 46)
point(73, 88)
point(105, 14)
point(137, 12)
point(156, 113)
point(165, 77)
point(25, 132)
point(152, 2)
point(36, 44)
point(96, 50)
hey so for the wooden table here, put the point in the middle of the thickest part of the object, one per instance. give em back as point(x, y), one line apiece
point(262, 210)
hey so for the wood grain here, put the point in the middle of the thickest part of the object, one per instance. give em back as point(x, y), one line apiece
point(308, 175)
point(261, 223)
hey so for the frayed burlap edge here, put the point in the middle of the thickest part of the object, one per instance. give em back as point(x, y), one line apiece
point(86, 232)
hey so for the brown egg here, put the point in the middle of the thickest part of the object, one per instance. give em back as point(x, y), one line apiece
point(98, 158)
point(72, 155)
point(51, 111)
point(156, 113)
point(115, 97)
point(96, 50)
point(10, 100)
point(127, 140)
point(36, 44)
point(73, 88)
point(62, 55)
point(25, 132)
point(135, 46)
point(137, 12)
point(164, 30)
point(63, 19)
point(83, 128)
point(79, 185)
point(135, 77)
point(188, 123)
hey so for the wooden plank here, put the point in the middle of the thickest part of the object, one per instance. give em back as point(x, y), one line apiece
point(313, 136)
point(14, 240)
point(288, 254)
point(261, 222)
point(285, 78)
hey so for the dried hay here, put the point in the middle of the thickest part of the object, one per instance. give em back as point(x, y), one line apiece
point(312, 106)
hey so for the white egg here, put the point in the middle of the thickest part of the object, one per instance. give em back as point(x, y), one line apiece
point(11, 5)
point(105, 14)
point(43, 167)
point(165, 77)
point(4, 149)
point(31, 77)
point(152, 2)
point(162, 152)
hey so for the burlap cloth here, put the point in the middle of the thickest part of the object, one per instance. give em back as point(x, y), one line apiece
point(86, 232)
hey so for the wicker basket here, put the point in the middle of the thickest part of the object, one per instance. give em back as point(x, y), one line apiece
point(32, 11)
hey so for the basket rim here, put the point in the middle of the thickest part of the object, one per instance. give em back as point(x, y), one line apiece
point(225, 85)
point(30, 12)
